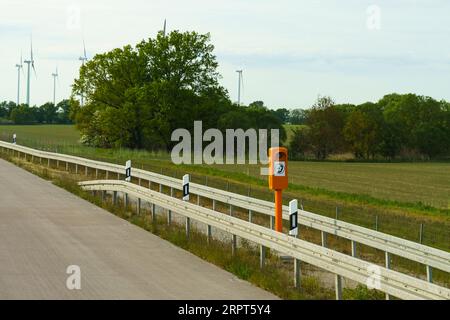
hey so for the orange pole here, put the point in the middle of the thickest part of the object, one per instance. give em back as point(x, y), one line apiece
point(278, 211)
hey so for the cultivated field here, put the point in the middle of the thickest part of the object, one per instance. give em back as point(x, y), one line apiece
point(409, 200)
point(426, 183)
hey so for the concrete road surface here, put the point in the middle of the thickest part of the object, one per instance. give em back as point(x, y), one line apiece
point(44, 230)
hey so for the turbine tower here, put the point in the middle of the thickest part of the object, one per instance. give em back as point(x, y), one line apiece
point(240, 79)
point(83, 59)
point(30, 63)
point(54, 75)
point(19, 69)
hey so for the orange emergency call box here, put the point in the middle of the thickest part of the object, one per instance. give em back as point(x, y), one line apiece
point(278, 168)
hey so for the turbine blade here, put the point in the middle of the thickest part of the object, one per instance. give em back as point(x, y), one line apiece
point(84, 50)
point(164, 30)
point(31, 55)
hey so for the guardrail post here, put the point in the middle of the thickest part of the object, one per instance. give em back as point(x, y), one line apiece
point(160, 187)
point(67, 166)
point(125, 200)
point(107, 175)
point(231, 210)
point(118, 176)
point(272, 222)
point(115, 197)
point(188, 226)
point(153, 212)
point(139, 181)
point(376, 223)
point(48, 162)
point(297, 273)
point(429, 274)
point(338, 287)
point(138, 209)
point(40, 160)
point(57, 164)
point(208, 233)
point(250, 216)
point(32, 158)
point(96, 173)
point(387, 264)
point(233, 244)
point(198, 200)
point(421, 233)
point(76, 168)
point(323, 235)
point(353, 248)
point(262, 256)
point(169, 213)
point(85, 171)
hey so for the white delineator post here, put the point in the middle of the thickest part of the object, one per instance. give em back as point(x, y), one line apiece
point(128, 171)
point(293, 231)
point(186, 198)
point(293, 218)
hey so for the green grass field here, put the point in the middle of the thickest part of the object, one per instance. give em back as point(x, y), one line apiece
point(400, 196)
point(428, 183)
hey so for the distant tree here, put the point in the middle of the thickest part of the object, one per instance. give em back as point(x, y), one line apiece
point(298, 116)
point(23, 115)
point(326, 125)
point(63, 112)
point(257, 104)
point(49, 113)
point(300, 143)
point(6, 108)
point(282, 114)
point(362, 130)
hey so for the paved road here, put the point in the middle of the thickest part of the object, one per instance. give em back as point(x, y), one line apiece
point(44, 229)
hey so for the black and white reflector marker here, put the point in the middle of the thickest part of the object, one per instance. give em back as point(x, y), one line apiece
point(186, 187)
point(14, 138)
point(293, 218)
point(128, 171)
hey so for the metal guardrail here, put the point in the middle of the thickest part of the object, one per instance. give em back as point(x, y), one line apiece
point(430, 257)
point(389, 281)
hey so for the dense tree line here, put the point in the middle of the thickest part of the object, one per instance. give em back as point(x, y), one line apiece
point(406, 126)
point(135, 97)
point(11, 113)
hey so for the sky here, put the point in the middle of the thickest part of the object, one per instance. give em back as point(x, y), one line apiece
point(290, 51)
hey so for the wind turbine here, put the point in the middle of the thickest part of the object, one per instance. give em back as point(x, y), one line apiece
point(83, 59)
point(54, 75)
point(29, 63)
point(240, 79)
point(164, 29)
point(19, 68)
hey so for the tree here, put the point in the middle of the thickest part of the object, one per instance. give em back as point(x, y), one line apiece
point(298, 116)
point(23, 114)
point(300, 143)
point(48, 112)
point(362, 130)
point(63, 112)
point(282, 114)
point(135, 97)
point(326, 125)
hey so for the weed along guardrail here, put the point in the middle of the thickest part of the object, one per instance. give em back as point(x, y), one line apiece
point(429, 257)
point(386, 280)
